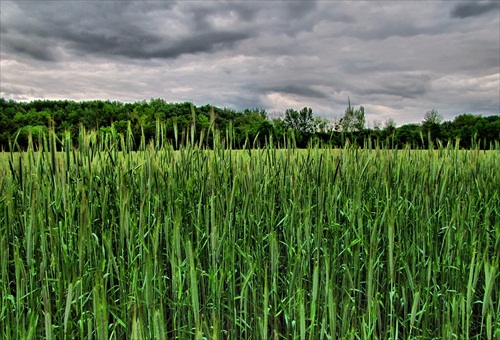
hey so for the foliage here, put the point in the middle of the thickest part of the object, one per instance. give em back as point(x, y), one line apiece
point(353, 120)
point(246, 128)
point(301, 121)
point(432, 117)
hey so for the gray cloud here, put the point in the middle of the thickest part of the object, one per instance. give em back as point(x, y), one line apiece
point(404, 88)
point(474, 8)
point(300, 8)
point(204, 42)
point(145, 46)
point(299, 90)
point(34, 49)
point(112, 29)
point(385, 30)
point(396, 58)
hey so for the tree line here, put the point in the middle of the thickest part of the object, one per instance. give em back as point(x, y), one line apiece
point(246, 128)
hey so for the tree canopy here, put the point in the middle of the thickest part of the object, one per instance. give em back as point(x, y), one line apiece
point(183, 121)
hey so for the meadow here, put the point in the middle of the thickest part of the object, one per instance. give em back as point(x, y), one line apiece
point(99, 241)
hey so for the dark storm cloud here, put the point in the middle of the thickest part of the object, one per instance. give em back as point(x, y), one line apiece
point(415, 91)
point(147, 46)
point(108, 29)
point(297, 9)
point(144, 30)
point(474, 8)
point(34, 49)
point(128, 41)
point(204, 42)
point(401, 85)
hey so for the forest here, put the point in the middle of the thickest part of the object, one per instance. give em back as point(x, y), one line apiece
point(249, 128)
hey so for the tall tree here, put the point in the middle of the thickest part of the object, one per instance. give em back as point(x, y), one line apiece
point(431, 126)
point(432, 117)
point(353, 120)
point(300, 121)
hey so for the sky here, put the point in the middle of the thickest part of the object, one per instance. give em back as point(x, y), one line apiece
point(398, 59)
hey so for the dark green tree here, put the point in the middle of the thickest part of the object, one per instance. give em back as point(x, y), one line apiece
point(431, 126)
point(247, 126)
point(300, 121)
point(408, 134)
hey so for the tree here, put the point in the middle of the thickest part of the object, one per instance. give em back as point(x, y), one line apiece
point(256, 110)
point(353, 120)
point(432, 117)
point(408, 134)
point(177, 118)
point(279, 129)
point(247, 126)
point(300, 121)
point(464, 128)
point(158, 107)
point(491, 130)
point(390, 125)
point(389, 131)
point(431, 126)
point(265, 130)
point(322, 125)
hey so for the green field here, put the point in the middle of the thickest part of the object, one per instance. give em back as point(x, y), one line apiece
point(227, 244)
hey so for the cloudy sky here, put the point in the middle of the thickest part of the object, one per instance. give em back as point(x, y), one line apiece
point(398, 59)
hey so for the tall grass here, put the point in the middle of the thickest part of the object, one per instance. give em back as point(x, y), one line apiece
point(308, 244)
